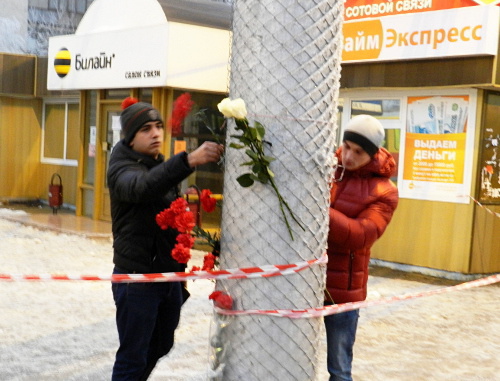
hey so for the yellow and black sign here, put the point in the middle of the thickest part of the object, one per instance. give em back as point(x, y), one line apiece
point(62, 62)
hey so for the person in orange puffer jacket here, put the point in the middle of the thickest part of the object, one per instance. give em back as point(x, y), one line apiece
point(363, 200)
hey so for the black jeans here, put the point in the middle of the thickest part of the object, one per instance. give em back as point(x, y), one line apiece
point(147, 315)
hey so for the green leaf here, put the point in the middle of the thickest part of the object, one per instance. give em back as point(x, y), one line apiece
point(241, 124)
point(247, 163)
point(253, 177)
point(263, 177)
point(246, 141)
point(257, 168)
point(245, 180)
point(252, 154)
point(271, 173)
point(237, 146)
point(260, 128)
point(253, 134)
point(268, 159)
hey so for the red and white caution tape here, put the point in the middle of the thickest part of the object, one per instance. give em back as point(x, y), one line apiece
point(338, 308)
point(265, 271)
point(485, 208)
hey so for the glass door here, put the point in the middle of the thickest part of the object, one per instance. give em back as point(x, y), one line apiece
point(110, 135)
point(85, 196)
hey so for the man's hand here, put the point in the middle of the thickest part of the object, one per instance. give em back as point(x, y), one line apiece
point(208, 152)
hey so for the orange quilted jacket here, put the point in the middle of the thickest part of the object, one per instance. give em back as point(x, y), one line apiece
point(361, 206)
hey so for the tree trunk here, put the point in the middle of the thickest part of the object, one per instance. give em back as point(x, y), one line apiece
point(285, 65)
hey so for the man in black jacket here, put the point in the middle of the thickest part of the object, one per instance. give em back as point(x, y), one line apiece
point(142, 184)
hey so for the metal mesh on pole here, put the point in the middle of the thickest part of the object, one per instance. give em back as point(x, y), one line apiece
point(285, 65)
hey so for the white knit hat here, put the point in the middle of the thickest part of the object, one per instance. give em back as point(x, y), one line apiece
point(366, 131)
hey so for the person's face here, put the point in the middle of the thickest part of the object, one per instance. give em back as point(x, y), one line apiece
point(149, 139)
point(353, 156)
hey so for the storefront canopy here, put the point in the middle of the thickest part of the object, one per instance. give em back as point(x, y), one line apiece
point(134, 45)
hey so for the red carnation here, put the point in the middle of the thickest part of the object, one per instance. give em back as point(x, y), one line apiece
point(221, 300)
point(181, 253)
point(207, 202)
point(179, 205)
point(185, 240)
point(184, 222)
point(208, 262)
point(181, 108)
point(165, 219)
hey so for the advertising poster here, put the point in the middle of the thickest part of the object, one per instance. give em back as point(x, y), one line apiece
point(438, 149)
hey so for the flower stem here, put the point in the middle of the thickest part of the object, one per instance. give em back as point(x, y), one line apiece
point(282, 202)
point(253, 139)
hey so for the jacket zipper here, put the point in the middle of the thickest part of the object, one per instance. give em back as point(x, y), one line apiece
point(351, 259)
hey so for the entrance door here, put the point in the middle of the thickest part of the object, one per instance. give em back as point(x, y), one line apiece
point(110, 135)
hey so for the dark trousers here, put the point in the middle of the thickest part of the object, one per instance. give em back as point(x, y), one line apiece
point(147, 315)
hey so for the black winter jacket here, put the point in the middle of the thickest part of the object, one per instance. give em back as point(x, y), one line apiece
point(140, 187)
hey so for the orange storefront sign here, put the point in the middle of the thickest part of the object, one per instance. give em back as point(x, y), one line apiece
point(360, 9)
point(372, 29)
point(461, 31)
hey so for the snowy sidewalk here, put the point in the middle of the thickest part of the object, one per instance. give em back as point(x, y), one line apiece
point(65, 330)
point(62, 222)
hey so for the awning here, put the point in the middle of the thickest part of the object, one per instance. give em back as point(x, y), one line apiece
point(134, 45)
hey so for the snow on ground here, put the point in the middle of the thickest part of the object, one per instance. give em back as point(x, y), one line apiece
point(65, 330)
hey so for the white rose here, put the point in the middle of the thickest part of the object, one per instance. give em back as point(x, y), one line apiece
point(239, 109)
point(233, 108)
point(224, 107)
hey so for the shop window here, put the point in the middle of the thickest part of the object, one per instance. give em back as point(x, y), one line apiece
point(388, 111)
point(53, 4)
point(490, 152)
point(71, 6)
point(146, 95)
point(78, 6)
point(81, 6)
point(340, 113)
point(90, 138)
point(60, 134)
point(193, 132)
point(116, 94)
point(379, 108)
point(38, 3)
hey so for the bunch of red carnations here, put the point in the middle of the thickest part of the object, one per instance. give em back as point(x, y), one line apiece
point(179, 217)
